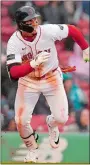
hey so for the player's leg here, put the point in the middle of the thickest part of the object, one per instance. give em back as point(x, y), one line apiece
point(58, 103)
point(59, 108)
point(24, 106)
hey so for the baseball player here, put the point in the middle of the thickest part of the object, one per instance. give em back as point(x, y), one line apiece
point(32, 60)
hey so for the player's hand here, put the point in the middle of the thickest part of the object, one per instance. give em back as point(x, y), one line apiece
point(86, 55)
point(40, 58)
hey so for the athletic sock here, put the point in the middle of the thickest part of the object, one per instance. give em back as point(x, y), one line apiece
point(30, 142)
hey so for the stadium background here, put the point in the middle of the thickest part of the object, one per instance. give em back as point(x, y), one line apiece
point(74, 139)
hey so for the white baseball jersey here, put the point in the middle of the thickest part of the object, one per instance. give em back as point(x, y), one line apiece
point(20, 51)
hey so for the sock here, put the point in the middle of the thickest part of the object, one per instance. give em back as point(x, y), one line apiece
point(30, 142)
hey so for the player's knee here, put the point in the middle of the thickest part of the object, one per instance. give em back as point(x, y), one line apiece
point(62, 119)
point(22, 120)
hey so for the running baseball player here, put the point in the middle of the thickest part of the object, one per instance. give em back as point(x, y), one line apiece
point(32, 60)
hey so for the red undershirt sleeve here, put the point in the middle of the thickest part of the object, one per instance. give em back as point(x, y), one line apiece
point(22, 70)
point(77, 36)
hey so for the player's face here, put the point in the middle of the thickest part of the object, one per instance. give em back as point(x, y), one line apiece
point(33, 22)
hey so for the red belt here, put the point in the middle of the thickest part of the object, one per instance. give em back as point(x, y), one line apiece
point(47, 75)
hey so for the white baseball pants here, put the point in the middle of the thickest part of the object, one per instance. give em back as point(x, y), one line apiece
point(28, 93)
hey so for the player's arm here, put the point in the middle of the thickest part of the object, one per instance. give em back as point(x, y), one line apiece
point(78, 37)
point(17, 70)
point(14, 61)
point(61, 31)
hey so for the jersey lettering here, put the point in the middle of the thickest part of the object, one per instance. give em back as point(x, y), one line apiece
point(28, 56)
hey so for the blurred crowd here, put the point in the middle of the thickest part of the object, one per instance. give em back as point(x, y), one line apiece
point(69, 53)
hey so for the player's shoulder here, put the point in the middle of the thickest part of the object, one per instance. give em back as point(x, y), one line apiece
point(53, 26)
point(48, 26)
point(48, 29)
point(13, 38)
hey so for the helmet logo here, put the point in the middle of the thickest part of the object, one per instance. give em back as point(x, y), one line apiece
point(31, 12)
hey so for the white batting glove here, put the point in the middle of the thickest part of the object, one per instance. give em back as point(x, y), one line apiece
point(40, 58)
point(86, 54)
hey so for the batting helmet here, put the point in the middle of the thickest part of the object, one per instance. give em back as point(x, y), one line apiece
point(24, 14)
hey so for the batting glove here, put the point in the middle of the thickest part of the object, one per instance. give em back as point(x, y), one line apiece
point(40, 58)
point(86, 55)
